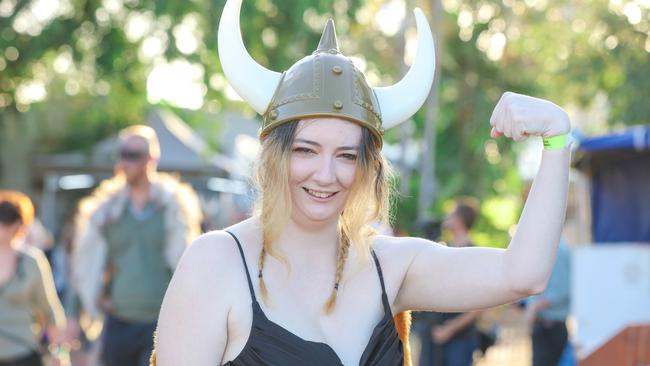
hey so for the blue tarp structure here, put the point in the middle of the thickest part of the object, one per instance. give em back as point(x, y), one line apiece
point(636, 138)
point(619, 167)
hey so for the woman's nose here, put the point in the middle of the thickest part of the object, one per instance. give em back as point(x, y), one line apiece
point(325, 171)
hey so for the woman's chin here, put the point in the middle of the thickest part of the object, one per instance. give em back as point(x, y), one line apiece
point(317, 216)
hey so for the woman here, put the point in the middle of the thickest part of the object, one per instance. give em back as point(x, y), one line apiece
point(27, 295)
point(325, 285)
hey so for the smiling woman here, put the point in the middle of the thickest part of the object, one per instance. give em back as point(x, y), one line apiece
point(329, 284)
point(322, 183)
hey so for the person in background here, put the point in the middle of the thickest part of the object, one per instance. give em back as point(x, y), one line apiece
point(130, 234)
point(454, 336)
point(423, 321)
point(28, 300)
point(546, 313)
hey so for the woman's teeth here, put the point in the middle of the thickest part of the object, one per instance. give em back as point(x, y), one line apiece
point(320, 194)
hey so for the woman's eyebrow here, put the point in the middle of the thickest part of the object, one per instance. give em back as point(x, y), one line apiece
point(355, 148)
point(310, 142)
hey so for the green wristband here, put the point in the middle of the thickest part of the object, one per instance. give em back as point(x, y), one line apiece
point(555, 142)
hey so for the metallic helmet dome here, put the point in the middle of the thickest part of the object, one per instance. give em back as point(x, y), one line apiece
point(324, 84)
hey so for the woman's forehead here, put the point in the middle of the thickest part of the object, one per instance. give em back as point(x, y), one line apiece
point(329, 129)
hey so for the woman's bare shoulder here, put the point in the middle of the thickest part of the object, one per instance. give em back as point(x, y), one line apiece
point(398, 246)
point(248, 232)
point(205, 267)
point(219, 244)
point(209, 280)
point(395, 255)
point(215, 255)
point(209, 250)
point(399, 252)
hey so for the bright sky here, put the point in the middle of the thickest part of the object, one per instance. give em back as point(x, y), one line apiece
point(178, 82)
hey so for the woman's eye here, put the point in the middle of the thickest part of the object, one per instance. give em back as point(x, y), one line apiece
point(302, 150)
point(349, 156)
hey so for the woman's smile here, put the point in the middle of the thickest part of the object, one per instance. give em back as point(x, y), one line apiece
point(320, 196)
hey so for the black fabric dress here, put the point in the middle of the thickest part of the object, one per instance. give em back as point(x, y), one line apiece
point(270, 344)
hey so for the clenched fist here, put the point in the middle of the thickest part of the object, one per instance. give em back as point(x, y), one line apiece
point(519, 116)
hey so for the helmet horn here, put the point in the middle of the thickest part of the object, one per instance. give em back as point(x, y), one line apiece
point(400, 101)
point(252, 81)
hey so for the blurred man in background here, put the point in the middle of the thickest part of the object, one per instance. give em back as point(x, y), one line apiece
point(130, 234)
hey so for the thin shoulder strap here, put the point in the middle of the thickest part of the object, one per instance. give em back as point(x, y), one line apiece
point(384, 296)
point(248, 276)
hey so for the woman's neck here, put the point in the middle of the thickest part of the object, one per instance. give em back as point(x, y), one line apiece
point(296, 235)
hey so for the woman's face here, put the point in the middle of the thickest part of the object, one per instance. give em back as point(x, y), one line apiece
point(322, 167)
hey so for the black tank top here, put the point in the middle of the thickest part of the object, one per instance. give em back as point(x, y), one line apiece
point(270, 344)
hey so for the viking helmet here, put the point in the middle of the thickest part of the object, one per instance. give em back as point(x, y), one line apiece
point(325, 83)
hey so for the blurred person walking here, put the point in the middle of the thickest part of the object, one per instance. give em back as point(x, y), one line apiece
point(28, 299)
point(130, 234)
point(546, 313)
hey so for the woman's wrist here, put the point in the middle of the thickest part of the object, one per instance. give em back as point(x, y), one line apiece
point(555, 142)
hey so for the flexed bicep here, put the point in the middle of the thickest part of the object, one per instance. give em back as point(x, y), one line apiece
point(440, 278)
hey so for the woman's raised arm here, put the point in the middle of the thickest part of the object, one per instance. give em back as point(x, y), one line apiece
point(460, 279)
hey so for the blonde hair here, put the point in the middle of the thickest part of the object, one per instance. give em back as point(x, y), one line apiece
point(146, 133)
point(368, 202)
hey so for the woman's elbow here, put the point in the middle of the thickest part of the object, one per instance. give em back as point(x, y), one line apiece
point(529, 287)
point(537, 288)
